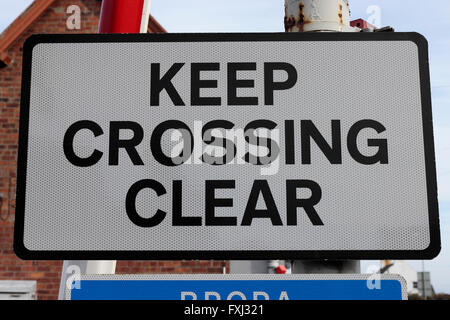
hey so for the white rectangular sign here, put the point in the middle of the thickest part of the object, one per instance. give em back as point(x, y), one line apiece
point(226, 146)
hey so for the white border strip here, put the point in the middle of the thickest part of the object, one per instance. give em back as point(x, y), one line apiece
point(287, 277)
point(145, 16)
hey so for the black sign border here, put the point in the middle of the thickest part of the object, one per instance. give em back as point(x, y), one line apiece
point(422, 44)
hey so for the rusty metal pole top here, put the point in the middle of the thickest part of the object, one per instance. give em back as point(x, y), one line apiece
point(317, 15)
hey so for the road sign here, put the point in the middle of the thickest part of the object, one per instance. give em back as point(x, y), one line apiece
point(226, 146)
point(238, 287)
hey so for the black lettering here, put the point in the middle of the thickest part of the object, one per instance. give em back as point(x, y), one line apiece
point(211, 203)
point(197, 84)
point(252, 138)
point(130, 203)
point(158, 84)
point(68, 143)
point(382, 154)
point(177, 217)
point(234, 84)
point(155, 143)
point(227, 144)
point(115, 143)
point(270, 85)
point(307, 204)
point(271, 211)
point(289, 141)
point(333, 153)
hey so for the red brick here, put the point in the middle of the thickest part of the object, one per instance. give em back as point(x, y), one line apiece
point(47, 273)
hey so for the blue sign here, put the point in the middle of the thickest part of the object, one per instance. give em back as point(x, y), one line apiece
point(228, 288)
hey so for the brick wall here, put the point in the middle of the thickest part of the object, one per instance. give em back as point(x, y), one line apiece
point(47, 273)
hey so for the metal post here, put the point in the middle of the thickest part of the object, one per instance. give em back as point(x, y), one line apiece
point(317, 15)
point(424, 291)
point(326, 266)
point(116, 16)
point(272, 265)
point(320, 16)
point(79, 267)
point(305, 16)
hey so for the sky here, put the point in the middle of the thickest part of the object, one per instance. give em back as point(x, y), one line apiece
point(430, 18)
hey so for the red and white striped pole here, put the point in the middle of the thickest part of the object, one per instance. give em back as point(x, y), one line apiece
point(116, 16)
point(124, 16)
